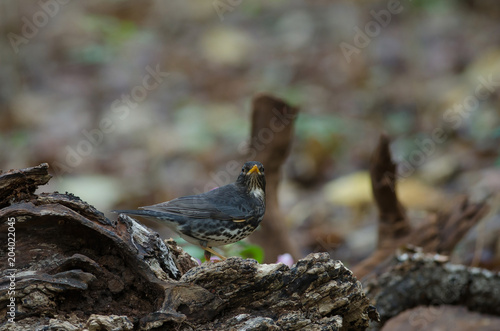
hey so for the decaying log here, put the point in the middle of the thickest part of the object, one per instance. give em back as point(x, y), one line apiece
point(275, 295)
point(419, 279)
point(76, 269)
point(439, 233)
point(270, 141)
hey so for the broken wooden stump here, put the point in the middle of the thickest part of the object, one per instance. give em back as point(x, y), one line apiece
point(439, 233)
point(271, 138)
point(76, 269)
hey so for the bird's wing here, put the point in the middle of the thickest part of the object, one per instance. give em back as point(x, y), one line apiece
point(221, 204)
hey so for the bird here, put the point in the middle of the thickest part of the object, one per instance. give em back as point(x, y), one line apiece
point(221, 216)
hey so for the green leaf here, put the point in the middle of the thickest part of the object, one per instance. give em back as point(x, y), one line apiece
point(248, 251)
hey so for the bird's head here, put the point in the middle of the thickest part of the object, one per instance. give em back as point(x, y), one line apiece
point(252, 177)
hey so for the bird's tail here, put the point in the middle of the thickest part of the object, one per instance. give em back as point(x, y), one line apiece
point(144, 213)
point(155, 216)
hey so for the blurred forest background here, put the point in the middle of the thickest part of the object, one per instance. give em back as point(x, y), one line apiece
point(137, 102)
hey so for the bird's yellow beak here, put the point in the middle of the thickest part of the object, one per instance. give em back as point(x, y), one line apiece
point(254, 169)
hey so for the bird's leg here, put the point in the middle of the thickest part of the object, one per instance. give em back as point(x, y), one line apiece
point(209, 250)
point(207, 255)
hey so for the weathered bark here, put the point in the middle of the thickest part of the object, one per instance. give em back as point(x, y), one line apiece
point(76, 269)
point(418, 279)
point(270, 141)
point(439, 233)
